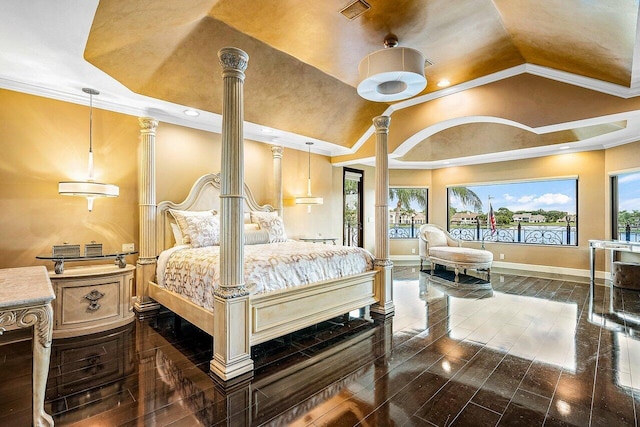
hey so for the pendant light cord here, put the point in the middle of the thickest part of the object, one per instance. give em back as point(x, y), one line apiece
point(90, 122)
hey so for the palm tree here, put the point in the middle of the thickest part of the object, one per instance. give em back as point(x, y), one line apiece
point(404, 197)
point(467, 197)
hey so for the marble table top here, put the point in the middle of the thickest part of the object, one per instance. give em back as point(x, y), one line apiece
point(24, 286)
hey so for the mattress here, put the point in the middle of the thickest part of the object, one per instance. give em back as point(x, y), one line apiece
point(195, 272)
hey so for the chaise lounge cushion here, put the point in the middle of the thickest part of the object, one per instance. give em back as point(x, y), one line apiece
point(461, 255)
point(437, 246)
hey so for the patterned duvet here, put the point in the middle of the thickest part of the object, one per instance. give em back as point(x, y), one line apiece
point(193, 272)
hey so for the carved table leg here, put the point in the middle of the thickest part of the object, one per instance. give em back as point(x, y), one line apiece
point(42, 333)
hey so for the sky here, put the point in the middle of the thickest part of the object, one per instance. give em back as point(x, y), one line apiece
point(629, 192)
point(559, 195)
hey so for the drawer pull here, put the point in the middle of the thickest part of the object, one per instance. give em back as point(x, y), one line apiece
point(93, 298)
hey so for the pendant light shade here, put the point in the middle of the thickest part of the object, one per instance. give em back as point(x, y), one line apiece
point(309, 199)
point(89, 188)
point(391, 74)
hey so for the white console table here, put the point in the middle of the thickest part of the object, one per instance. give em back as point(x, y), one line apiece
point(610, 245)
point(25, 301)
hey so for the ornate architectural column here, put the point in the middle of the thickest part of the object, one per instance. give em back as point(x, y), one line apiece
point(277, 179)
point(146, 264)
point(384, 266)
point(231, 349)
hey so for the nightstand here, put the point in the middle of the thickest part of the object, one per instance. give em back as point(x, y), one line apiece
point(319, 239)
point(91, 299)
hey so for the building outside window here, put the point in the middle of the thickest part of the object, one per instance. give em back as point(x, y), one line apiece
point(407, 211)
point(532, 212)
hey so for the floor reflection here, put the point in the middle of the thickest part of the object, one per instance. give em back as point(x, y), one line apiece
point(524, 348)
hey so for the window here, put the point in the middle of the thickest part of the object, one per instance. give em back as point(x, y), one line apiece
point(534, 212)
point(353, 197)
point(407, 212)
point(625, 197)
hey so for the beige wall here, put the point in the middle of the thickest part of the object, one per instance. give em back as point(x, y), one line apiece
point(46, 141)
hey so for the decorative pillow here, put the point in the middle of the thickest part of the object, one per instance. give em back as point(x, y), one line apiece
point(251, 227)
point(203, 230)
point(177, 234)
point(272, 223)
point(180, 220)
point(436, 238)
point(256, 237)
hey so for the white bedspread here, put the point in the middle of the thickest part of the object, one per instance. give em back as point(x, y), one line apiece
point(193, 272)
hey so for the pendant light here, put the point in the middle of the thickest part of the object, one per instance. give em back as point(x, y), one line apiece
point(309, 199)
point(89, 188)
point(391, 74)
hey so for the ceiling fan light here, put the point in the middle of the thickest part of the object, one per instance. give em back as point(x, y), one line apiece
point(391, 74)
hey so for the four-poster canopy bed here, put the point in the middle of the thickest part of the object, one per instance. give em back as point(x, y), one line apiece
point(237, 315)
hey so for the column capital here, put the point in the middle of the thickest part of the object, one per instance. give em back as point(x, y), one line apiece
point(381, 123)
point(148, 124)
point(276, 151)
point(233, 61)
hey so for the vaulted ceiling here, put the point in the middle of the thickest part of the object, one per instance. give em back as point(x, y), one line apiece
point(303, 67)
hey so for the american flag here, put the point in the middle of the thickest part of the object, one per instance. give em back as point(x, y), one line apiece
point(492, 220)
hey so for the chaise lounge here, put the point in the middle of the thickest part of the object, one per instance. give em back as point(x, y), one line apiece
point(438, 247)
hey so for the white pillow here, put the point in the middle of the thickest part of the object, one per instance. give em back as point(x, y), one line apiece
point(203, 230)
point(251, 227)
point(177, 234)
point(272, 223)
point(180, 220)
point(256, 237)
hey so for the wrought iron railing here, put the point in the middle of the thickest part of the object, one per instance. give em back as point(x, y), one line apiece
point(629, 233)
point(531, 234)
point(352, 234)
point(400, 230)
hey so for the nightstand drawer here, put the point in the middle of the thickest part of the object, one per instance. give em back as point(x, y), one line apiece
point(92, 299)
point(89, 301)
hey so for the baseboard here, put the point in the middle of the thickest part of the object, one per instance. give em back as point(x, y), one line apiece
point(410, 260)
point(405, 260)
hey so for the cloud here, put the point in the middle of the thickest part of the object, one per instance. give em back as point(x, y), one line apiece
point(547, 201)
point(526, 199)
point(629, 178)
point(508, 197)
point(629, 205)
point(553, 199)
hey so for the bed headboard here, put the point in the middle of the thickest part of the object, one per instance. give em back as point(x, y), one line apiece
point(204, 195)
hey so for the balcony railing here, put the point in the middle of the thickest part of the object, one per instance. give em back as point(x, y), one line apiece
point(530, 234)
point(629, 233)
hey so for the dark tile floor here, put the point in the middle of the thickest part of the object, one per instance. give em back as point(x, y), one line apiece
point(524, 351)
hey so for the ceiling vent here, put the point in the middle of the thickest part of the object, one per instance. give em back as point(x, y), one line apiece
point(355, 9)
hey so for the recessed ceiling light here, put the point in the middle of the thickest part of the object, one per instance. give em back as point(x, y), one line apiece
point(191, 113)
point(444, 83)
point(566, 147)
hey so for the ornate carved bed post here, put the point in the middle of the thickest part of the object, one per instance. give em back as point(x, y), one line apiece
point(231, 349)
point(277, 179)
point(382, 263)
point(146, 265)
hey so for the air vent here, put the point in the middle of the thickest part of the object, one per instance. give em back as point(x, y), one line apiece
point(355, 9)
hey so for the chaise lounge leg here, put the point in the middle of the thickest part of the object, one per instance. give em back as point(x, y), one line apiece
point(456, 278)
